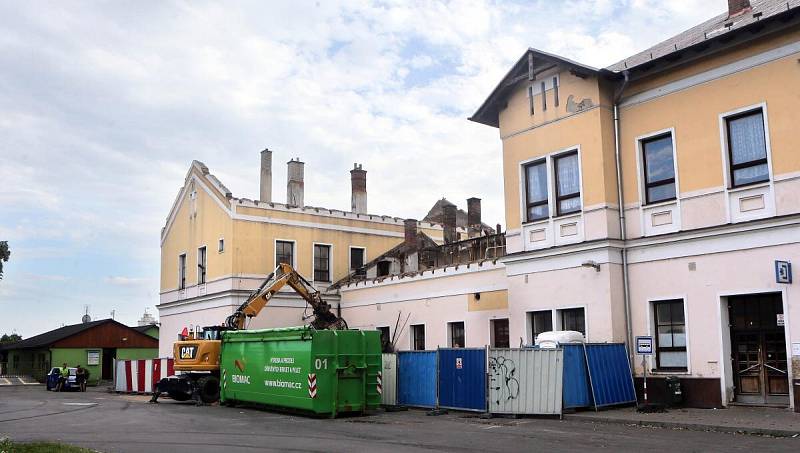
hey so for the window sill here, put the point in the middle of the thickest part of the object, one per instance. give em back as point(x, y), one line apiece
point(661, 203)
point(575, 214)
point(669, 373)
point(536, 222)
point(755, 185)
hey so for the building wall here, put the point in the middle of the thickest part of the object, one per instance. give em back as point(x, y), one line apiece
point(433, 299)
point(78, 356)
point(137, 353)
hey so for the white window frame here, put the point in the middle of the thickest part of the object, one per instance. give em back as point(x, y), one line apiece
point(197, 264)
point(275, 252)
point(221, 242)
point(558, 326)
point(642, 180)
point(350, 255)
point(529, 322)
point(182, 271)
point(450, 332)
point(652, 331)
point(723, 130)
point(551, 185)
point(330, 262)
point(411, 336)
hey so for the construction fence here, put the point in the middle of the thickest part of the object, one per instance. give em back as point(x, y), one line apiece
point(510, 381)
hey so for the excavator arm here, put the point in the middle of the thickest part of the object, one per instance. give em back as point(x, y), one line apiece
point(284, 275)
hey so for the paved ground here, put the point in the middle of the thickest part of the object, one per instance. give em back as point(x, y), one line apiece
point(736, 418)
point(115, 423)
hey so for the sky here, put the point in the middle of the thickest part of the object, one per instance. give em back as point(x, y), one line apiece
point(104, 105)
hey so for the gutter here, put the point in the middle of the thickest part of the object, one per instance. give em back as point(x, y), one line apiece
point(622, 232)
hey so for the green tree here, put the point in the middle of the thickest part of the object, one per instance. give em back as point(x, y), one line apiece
point(5, 254)
point(10, 338)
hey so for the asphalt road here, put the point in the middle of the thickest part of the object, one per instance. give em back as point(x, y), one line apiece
point(121, 423)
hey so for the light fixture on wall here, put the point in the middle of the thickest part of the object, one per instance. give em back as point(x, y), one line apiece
point(591, 263)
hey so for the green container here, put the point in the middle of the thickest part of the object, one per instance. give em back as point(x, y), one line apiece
point(322, 372)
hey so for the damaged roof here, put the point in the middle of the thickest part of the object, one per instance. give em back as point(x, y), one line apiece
point(436, 215)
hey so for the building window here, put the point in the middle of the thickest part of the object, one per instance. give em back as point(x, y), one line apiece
point(356, 258)
point(544, 97)
point(383, 268)
point(284, 253)
point(530, 99)
point(659, 169)
point(568, 187)
point(541, 321)
point(182, 271)
point(671, 335)
point(221, 245)
point(385, 339)
point(500, 333)
point(456, 334)
point(418, 337)
point(201, 265)
point(322, 263)
point(747, 148)
point(536, 191)
point(573, 319)
point(555, 91)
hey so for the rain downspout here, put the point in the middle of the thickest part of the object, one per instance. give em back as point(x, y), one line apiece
point(623, 236)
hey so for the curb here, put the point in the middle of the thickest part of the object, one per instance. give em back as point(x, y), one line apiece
point(688, 426)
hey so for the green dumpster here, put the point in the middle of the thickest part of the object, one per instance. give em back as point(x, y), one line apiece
point(320, 372)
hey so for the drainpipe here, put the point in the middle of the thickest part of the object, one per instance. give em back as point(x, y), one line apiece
point(623, 236)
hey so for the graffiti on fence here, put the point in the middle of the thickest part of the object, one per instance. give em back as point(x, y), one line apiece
point(502, 379)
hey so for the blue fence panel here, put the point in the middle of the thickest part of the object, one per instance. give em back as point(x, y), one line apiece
point(610, 374)
point(416, 378)
point(577, 392)
point(462, 379)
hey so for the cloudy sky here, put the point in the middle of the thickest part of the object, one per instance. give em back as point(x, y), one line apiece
point(104, 105)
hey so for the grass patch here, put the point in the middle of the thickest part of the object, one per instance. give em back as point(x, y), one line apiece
point(6, 446)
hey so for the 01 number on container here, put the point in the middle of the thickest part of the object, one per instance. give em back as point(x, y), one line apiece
point(321, 364)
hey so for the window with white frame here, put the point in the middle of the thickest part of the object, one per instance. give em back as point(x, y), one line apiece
point(418, 337)
point(658, 168)
point(284, 252)
point(536, 191)
point(182, 271)
point(568, 185)
point(201, 265)
point(747, 148)
point(670, 335)
point(322, 263)
point(541, 321)
point(573, 319)
point(455, 331)
point(221, 245)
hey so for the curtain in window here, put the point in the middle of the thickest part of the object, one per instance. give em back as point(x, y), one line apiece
point(568, 179)
point(537, 183)
point(748, 144)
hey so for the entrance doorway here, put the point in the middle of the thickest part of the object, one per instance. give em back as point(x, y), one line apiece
point(758, 349)
point(107, 370)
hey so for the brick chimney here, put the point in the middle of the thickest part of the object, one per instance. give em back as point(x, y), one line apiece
point(410, 229)
point(737, 7)
point(474, 216)
point(294, 183)
point(358, 183)
point(449, 221)
point(265, 194)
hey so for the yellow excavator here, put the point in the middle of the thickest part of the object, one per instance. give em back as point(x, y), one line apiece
point(197, 353)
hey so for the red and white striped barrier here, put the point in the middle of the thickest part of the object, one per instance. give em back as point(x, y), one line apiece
point(140, 376)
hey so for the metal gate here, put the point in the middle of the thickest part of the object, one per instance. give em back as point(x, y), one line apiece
point(389, 380)
point(416, 378)
point(462, 378)
point(526, 381)
point(610, 374)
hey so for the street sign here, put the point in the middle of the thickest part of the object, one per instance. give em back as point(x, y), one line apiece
point(644, 345)
point(783, 272)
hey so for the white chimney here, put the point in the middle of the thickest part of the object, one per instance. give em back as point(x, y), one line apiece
point(294, 183)
point(265, 193)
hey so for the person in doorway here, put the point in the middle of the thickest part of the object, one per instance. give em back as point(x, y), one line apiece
point(80, 377)
point(62, 377)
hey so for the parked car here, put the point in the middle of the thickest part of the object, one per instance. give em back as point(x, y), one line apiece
point(55, 373)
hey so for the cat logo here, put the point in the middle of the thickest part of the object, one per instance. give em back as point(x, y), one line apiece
point(188, 352)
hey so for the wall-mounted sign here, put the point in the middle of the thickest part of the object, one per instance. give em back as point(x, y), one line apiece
point(459, 363)
point(92, 357)
point(644, 345)
point(780, 320)
point(783, 272)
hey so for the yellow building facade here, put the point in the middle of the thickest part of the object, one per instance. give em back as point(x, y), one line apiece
point(695, 249)
point(217, 248)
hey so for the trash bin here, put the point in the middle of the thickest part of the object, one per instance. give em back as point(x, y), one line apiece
point(674, 396)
